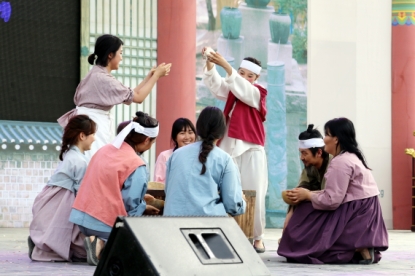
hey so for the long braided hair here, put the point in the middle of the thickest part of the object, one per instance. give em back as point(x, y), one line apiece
point(210, 126)
point(343, 129)
point(76, 125)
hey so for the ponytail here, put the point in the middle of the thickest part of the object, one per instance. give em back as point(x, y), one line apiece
point(91, 59)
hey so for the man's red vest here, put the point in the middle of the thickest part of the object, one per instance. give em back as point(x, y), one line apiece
point(246, 122)
point(100, 193)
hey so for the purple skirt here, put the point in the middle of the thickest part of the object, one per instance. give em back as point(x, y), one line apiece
point(332, 237)
point(54, 236)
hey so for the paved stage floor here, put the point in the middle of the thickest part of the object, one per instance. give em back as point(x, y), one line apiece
point(399, 259)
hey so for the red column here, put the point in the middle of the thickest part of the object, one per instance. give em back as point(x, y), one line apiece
point(403, 111)
point(176, 44)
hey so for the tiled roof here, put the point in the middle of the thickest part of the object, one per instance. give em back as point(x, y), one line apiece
point(19, 135)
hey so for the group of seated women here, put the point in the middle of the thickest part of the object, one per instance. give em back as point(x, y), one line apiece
point(201, 179)
point(341, 223)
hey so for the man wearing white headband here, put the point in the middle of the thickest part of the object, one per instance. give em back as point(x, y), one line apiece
point(245, 112)
point(115, 184)
point(315, 160)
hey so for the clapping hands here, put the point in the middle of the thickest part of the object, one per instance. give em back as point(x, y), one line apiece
point(162, 70)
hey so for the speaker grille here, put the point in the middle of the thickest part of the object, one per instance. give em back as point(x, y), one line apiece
point(211, 246)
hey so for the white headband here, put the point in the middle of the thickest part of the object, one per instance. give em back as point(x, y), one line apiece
point(311, 143)
point(150, 132)
point(251, 66)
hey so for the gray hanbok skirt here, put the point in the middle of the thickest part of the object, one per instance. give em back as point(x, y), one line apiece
point(54, 236)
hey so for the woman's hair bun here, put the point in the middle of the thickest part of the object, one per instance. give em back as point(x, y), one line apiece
point(310, 128)
point(140, 114)
point(91, 59)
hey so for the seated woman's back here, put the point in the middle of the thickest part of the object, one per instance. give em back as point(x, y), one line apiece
point(190, 193)
point(201, 178)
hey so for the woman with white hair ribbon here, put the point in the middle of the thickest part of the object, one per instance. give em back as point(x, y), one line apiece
point(245, 112)
point(114, 184)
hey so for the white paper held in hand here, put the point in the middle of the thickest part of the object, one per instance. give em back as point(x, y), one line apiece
point(208, 51)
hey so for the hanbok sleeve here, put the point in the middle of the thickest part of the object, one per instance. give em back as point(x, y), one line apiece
point(69, 174)
point(216, 84)
point(119, 93)
point(160, 169)
point(168, 166)
point(303, 179)
point(77, 166)
point(231, 190)
point(79, 173)
point(241, 88)
point(133, 192)
point(338, 177)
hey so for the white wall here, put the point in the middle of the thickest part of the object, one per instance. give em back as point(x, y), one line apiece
point(349, 75)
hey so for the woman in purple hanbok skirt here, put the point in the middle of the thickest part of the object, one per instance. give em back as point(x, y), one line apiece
point(342, 223)
point(52, 236)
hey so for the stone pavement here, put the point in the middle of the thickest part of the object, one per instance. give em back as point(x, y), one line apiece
point(399, 259)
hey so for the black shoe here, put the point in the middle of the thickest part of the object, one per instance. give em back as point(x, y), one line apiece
point(91, 254)
point(78, 260)
point(260, 250)
point(31, 246)
point(372, 257)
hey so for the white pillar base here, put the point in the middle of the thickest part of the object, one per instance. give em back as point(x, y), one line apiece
point(284, 53)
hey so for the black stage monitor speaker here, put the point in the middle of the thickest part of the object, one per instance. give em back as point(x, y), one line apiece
point(179, 246)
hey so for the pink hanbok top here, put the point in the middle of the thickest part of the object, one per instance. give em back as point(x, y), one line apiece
point(347, 179)
point(99, 90)
point(160, 169)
